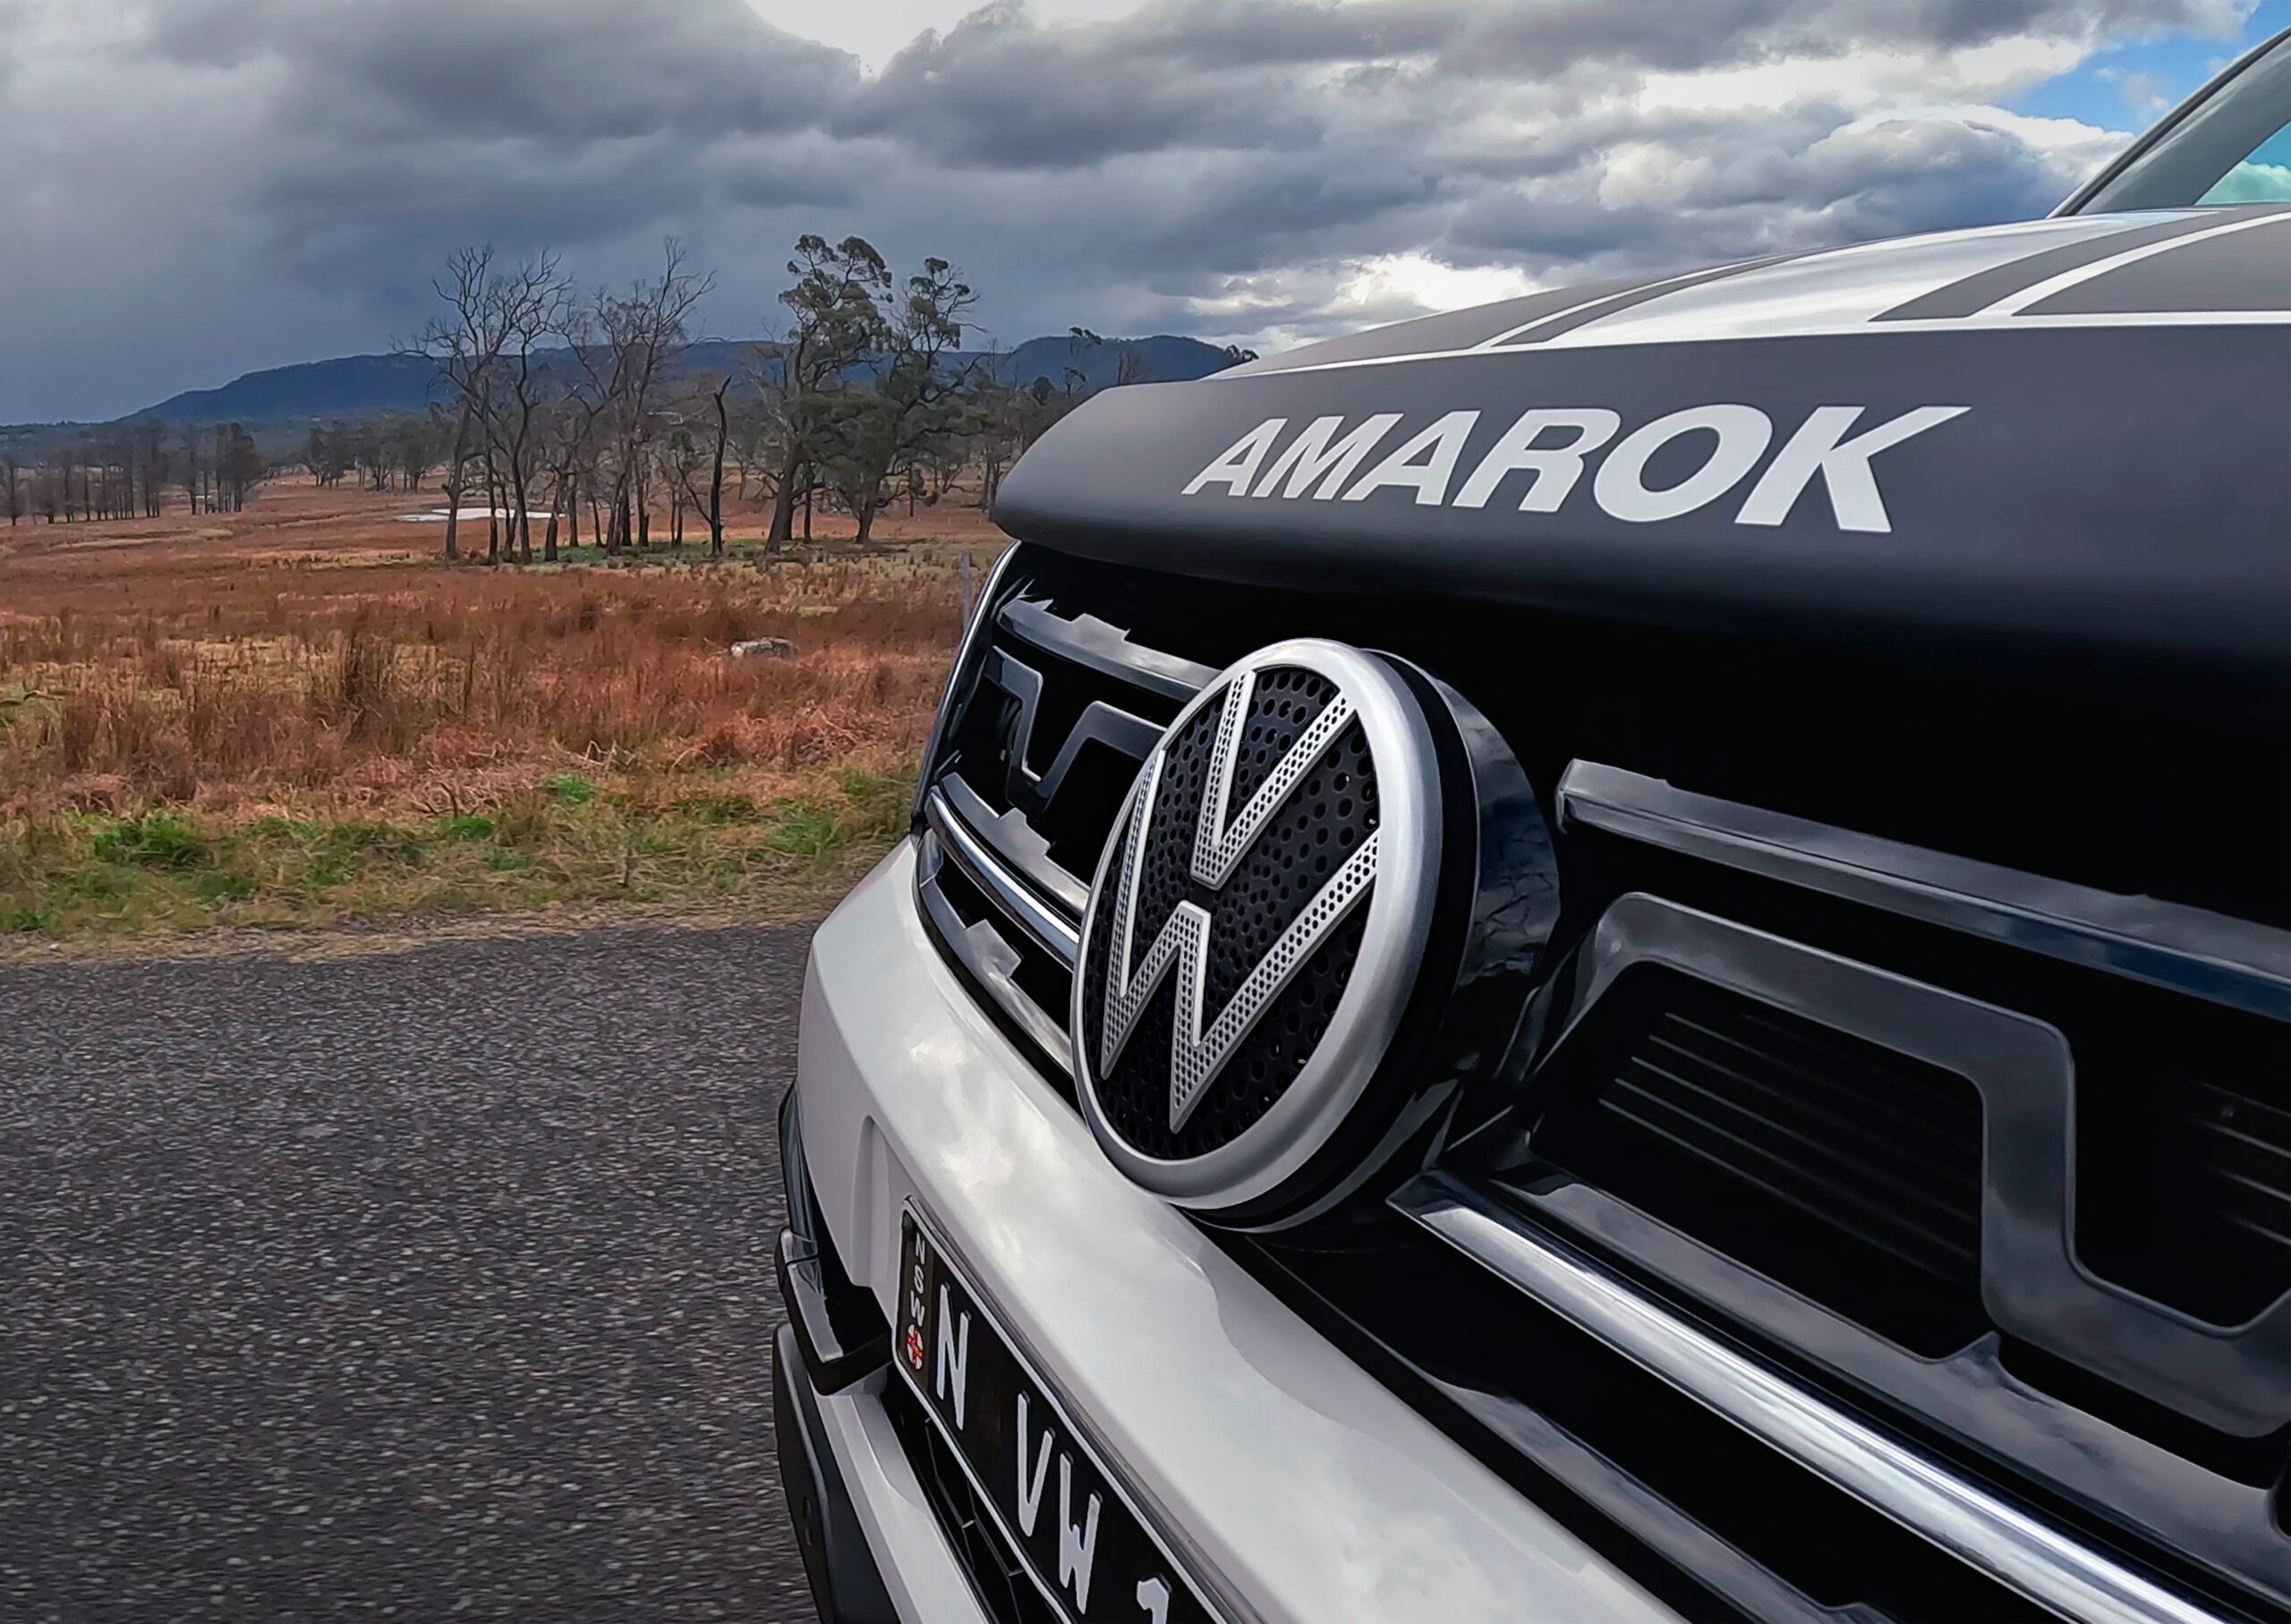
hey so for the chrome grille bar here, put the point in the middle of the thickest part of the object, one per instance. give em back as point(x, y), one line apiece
point(1033, 915)
point(2037, 1561)
point(2234, 962)
point(990, 960)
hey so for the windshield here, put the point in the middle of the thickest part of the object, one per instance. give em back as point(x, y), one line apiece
point(2234, 148)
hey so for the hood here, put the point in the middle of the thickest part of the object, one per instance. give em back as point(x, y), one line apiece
point(2072, 429)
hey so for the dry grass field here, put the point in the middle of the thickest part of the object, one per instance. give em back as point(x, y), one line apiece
point(297, 715)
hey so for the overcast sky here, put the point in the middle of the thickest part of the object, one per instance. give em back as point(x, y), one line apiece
point(192, 189)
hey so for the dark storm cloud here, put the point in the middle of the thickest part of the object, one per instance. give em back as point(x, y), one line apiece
point(295, 172)
point(566, 71)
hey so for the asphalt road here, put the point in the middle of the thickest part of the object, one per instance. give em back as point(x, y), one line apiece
point(435, 1285)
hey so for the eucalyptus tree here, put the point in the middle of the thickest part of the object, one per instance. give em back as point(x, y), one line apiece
point(838, 322)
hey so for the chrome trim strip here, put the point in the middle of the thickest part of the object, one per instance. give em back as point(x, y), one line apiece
point(1104, 647)
point(2234, 962)
point(2211, 1522)
point(992, 963)
point(1036, 918)
point(2004, 1541)
point(1012, 837)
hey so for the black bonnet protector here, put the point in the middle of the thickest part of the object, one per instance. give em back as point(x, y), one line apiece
point(1972, 493)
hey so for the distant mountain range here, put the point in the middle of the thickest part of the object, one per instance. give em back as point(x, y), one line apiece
point(358, 386)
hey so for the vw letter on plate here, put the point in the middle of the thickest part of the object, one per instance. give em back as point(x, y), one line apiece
point(1086, 1549)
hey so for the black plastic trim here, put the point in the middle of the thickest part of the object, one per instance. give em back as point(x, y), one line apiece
point(839, 1325)
point(1100, 723)
point(1105, 648)
point(845, 1580)
point(2235, 1379)
point(2075, 202)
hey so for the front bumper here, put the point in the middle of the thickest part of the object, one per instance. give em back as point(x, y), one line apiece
point(1291, 1483)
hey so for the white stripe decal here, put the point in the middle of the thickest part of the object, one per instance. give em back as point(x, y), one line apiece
point(1588, 338)
point(1619, 320)
point(2012, 304)
point(1641, 294)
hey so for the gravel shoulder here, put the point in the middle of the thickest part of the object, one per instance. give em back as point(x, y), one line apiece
point(428, 1283)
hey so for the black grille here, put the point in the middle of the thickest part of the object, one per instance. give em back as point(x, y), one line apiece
point(1842, 1170)
point(1048, 719)
point(2237, 1151)
point(2189, 1131)
point(1847, 1173)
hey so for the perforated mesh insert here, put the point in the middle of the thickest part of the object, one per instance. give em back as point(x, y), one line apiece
point(1285, 703)
point(1332, 809)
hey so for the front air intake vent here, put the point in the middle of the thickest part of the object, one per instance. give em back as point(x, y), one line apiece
point(2187, 1126)
point(1842, 1170)
point(2236, 1148)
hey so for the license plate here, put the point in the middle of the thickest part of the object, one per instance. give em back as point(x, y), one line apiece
point(1085, 1545)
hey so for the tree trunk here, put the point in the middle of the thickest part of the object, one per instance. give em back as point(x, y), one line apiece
point(492, 508)
point(523, 517)
point(783, 505)
point(716, 476)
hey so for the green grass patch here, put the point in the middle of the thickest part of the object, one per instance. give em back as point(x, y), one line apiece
point(157, 840)
point(566, 842)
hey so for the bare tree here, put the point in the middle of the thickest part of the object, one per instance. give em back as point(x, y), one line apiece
point(717, 397)
point(634, 344)
point(569, 444)
point(464, 346)
point(536, 303)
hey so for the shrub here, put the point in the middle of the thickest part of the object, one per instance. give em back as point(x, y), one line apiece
point(155, 840)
